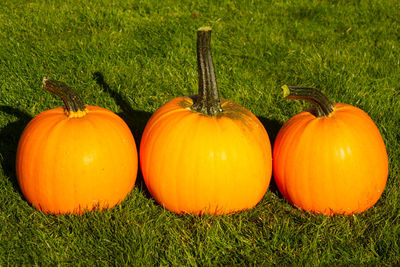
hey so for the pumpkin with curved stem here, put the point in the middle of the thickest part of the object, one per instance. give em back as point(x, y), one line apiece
point(203, 154)
point(76, 158)
point(331, 159)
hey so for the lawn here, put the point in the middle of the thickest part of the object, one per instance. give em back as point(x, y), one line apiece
point(133, 56)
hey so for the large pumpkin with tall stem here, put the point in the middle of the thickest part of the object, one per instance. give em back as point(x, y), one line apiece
point(202, 154)
point(330, 159)
point(75, 158)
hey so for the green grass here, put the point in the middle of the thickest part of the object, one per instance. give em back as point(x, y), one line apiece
point(131, 57)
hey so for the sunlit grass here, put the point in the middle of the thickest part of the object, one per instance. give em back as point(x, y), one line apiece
point(145, 54)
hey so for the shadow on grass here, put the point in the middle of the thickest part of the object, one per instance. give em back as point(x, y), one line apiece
point(272, 127)
point(9, 137)
point(135, 119)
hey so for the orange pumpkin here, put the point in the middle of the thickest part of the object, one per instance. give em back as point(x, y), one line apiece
point(76, 158)
point(330, 159)
point(203, 154)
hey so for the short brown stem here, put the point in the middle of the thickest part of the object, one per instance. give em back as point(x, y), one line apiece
point(320, 102)
point(73, 102)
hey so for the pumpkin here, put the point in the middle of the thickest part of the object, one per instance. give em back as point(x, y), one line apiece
point(330, 159)
point(202, 154)
point(75, 158)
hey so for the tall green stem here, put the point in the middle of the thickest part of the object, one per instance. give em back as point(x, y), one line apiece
point(207, 101)
point(73, 102)
point(320, 102)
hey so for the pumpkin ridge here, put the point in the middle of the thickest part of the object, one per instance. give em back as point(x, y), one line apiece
point(299, 126)
point(213, 186)
point(344, 134)
point(71, 184)
point(48, 198)
point(367, 132)
point(197, 199)
point(305, 142)
point(230, 154)
point(304, 184)
point(249, 137)
point(105, 193)
point(325, 203)
point(178, 158)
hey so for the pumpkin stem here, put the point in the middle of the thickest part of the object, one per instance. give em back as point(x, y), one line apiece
point(73, 102)
point(207, 101)
point(323, 107)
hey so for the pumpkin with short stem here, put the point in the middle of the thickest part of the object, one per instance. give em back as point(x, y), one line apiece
point(330, 159)
point(75, 158)
point(202, 154)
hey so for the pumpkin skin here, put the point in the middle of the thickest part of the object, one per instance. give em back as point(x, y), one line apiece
point(197, 162)
point(71, 163)
point(334, 164)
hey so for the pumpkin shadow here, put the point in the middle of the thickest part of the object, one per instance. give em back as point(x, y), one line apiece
point(9, 138)
point(272, 127)
point(135, 119)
